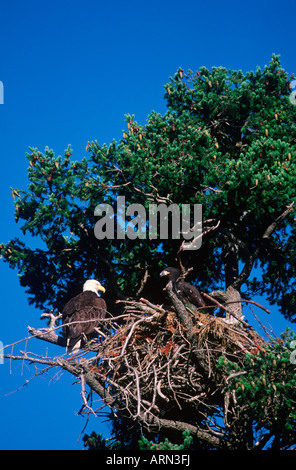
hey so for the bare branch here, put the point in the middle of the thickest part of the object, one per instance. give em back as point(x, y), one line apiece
point(53, 318)
point(48, 335)
point(250, 302)
point(154, 197)
point(143, 283)
point(180, 308)
point(252, 257)
point(83, 394)
point(270, 229)
point(226, 309)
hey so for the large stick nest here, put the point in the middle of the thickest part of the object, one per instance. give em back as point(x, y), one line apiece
point(157, 369)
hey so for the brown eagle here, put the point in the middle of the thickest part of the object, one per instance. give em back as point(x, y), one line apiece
point(188, 292)
point(86, 308)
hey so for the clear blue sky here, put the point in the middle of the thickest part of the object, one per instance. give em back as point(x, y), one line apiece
point(71, 70)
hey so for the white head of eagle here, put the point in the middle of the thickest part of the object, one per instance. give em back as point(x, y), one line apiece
point(93, 286)
point(82, 314)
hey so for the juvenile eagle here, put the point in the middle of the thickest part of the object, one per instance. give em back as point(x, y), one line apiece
point(87, 308)
point(187, 292)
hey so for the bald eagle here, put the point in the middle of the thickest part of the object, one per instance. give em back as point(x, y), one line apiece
point(82, 308)
point(187, 292)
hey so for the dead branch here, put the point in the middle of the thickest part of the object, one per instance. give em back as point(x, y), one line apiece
point(53, 318)
point(142, 284)
point(83, 394)
point(249, 302)
point(193, 242)
point(154, 196)
point(49, 335)
point(252, 257)
point(212, 299)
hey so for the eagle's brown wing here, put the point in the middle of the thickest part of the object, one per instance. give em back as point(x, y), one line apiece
point(191, 293)
point(81, 315)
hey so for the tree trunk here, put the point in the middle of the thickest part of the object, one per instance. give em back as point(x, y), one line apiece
point(230, 258)
point(233, 295)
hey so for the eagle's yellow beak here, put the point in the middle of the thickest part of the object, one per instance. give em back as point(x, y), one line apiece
point(101, 288)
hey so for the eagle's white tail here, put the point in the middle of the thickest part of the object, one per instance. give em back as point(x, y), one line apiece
point(72, 348)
